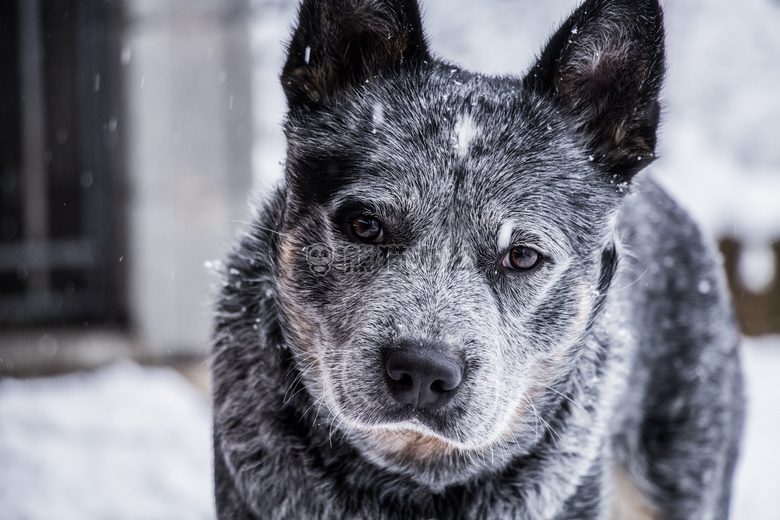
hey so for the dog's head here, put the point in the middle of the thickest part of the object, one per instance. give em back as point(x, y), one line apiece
point(449, 237)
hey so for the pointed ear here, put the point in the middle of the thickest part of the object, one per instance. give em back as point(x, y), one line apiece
point(605, 68)
point(342, 43)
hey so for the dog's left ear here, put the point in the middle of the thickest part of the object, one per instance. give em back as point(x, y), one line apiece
point(339, 44)
point(604, 67)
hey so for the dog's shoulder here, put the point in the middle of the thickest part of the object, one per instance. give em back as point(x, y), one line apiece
point(672, 296)
point(664, 247)
point(671, 277)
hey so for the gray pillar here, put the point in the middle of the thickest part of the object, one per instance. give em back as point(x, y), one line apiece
point(189, 143)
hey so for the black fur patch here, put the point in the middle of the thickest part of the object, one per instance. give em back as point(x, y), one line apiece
point(341, 44)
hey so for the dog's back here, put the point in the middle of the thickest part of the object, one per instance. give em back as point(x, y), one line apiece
point(465, 301)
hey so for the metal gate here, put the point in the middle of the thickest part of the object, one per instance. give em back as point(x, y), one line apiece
point(61, 224)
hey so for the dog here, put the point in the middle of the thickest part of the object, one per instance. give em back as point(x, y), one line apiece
point(467, 300)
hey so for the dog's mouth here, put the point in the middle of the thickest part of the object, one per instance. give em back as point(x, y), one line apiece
point(456, 426)
point(444, 424)
point(381, 416)
point(439, 424)
point(419, 391)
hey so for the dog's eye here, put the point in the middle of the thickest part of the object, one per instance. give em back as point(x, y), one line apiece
point(521, 259)
point(368, 229)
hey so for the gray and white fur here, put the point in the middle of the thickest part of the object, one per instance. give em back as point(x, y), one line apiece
point(465, 301)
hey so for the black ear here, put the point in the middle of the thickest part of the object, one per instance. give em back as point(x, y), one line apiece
point(605, 68)
point(341, 43)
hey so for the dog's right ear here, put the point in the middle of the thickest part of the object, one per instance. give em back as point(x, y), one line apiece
point(339, 44)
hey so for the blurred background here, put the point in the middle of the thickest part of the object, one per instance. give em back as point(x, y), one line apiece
point(132, 133)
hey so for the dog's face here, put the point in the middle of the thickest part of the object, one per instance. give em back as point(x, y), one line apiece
point(448, 236)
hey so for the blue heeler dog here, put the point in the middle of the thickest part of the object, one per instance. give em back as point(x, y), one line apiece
point(465, 301)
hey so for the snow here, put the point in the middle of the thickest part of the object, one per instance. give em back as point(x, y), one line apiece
point(124, 442)
point(756, 494)
point(127, 442)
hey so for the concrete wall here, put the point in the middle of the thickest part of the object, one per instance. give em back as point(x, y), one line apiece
point(189, 161)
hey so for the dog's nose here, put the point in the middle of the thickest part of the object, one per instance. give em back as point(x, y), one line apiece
point(421, 377)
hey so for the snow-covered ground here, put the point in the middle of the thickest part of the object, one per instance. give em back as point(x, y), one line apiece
point(122, 443)
point(133, 443)
point(757, 484)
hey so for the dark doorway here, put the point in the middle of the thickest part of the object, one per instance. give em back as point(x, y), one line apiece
point(61, 162)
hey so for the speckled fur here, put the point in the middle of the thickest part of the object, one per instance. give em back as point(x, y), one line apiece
point(618, 351)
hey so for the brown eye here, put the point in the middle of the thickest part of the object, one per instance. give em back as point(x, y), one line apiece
point(521, 259)
point(368, 229)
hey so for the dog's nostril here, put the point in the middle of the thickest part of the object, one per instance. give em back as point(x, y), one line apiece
point(440, 387)
point(403, 380)
point(421, 377)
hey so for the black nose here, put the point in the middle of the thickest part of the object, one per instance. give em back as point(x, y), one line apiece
point(421, 377)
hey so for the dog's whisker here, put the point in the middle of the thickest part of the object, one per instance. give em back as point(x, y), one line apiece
point(296, 383)
point(547, 425)
point(572, 401)
point(532, 428)
point(554, 390)
point(638, 278)
point(307, 410)
point(258, 226)
point(552, 431)
point(299, 374)
point(320, 400)
point(512, 434)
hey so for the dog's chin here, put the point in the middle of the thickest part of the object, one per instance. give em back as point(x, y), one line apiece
point(421, 443)
point(428, 458)
point(428, 435)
